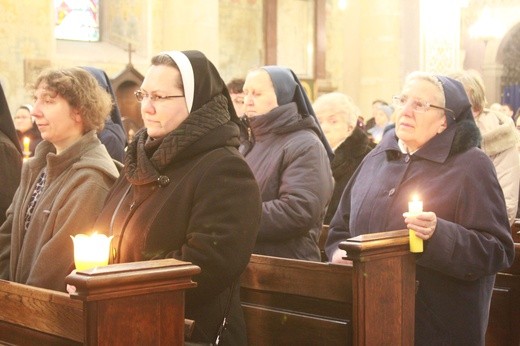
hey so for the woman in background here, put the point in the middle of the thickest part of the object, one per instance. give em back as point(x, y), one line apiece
point(338, 116)
point(26, 128)
point(113, 134)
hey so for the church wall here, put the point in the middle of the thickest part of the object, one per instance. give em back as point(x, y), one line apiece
point(363, 50)
point(241, 37)
point(370, 45)
point(26, 27)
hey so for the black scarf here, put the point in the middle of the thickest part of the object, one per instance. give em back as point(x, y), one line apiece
point(147, 157)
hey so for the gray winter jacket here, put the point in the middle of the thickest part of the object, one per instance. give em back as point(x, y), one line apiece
point(293, 171)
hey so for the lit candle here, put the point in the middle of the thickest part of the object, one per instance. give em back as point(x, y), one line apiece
point(415, 206)
point(26, 143)
point(91, 251)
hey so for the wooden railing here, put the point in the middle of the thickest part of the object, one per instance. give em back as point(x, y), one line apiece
point(504, 314)
point(124, 304)
point(287, 302)
point(370, 302)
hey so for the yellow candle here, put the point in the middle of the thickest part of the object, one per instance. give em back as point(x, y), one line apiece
point(415, 206)
point(26, 143)
point(91, 251)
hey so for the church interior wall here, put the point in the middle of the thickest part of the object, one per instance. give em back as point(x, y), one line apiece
point(361, 41)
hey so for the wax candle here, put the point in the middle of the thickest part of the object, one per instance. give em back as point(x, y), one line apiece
point(26, 144)
point(91, 251)
point(415, 206)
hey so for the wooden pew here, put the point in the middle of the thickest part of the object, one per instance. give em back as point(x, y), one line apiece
point(370, 302)
point(504, 314)
point(324, 233)
point(123, 304)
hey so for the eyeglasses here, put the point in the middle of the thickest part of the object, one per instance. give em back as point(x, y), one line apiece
point(141, 95)
point(418, 106)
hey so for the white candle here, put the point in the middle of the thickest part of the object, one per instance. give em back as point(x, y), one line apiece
point(91, 251)
point(415, 206)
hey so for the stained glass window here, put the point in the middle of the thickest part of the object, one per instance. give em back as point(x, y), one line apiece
point(77, 20)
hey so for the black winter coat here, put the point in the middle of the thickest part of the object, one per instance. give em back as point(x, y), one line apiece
point(190, 196)
point(347, 157)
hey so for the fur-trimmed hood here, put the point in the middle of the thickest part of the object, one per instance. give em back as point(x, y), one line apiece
point(498, 132)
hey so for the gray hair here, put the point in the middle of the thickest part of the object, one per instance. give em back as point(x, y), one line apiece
point(428, 77)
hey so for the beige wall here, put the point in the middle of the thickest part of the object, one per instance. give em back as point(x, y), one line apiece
point(371, 45)
point(24, 32)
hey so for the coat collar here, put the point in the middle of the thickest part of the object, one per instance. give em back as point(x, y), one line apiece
point(456, 139)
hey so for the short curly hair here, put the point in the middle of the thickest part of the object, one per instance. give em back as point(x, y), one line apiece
point(82, 92)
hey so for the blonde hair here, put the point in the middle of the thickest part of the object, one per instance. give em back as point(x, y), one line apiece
point(474, 86)
point(82, 92)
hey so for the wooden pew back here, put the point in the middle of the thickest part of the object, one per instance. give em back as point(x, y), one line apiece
point(292, 302)
point(124, 304)
point(504, 314)
point(371, 301)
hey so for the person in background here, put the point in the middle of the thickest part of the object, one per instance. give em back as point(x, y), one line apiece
point(433, 152)
point(64, 186)
point(290, 158)
point(26, 128)
point(186, 192)
point(113, 134)
point(375, 106)
point(361, 123)
point(500, 138)
point(495, 107)
point(236, 91)
point(10, 157)
point(382, 116)
point(507, 109)
point(338, 117)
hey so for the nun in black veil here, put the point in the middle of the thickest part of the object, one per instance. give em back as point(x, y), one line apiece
point(289, 155)
point(113, 134)
point(10, 157)
point(186, 192)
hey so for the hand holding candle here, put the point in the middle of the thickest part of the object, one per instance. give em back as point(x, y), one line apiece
point(91, 251)
point(415, 206)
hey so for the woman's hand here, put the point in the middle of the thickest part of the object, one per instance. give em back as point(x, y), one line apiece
point(71, 289)
point(337, 257)
point(423, 224)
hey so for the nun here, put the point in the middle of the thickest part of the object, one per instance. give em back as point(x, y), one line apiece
point(113, 133)
point(290, 157)
point(187, 193)
point(10, 157)
point(433, 152)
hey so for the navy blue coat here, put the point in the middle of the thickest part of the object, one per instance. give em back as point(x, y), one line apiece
point(472, 241)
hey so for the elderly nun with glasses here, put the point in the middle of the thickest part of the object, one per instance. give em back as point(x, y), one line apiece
point(187, 193)
point(433, 152)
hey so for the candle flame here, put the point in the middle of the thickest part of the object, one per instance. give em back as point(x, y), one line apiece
point(415, 198)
